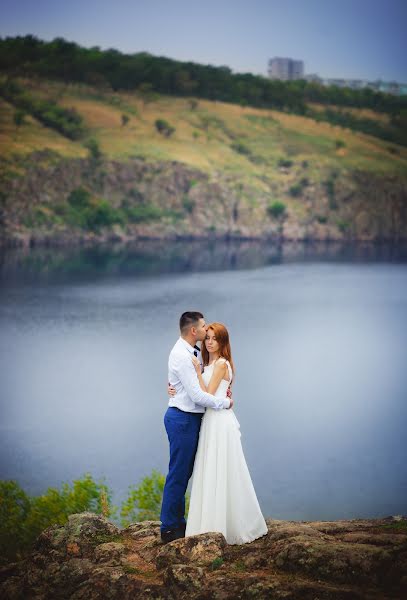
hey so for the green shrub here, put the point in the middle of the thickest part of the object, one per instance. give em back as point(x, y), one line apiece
point(164, 127)
point(19, 117)
point(216, 563)
point(102, 214)
point(193, 103)
point(79, 198)
point(285, 162)
point(15, 506)
point(339, 144)
point(88, 212)
point(94, 150)
point(143, 212)
point(276, 209)
point(188, 204)
point(330, 189)
point(23, 518)
point(240, 148)
point(343, 225)
point(66, 121)
point(144, 500)
point(295, 190)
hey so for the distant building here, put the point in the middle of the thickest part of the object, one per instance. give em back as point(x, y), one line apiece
point(392, 87)
point(285, 68)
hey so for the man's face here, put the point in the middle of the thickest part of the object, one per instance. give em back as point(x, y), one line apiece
point(201, 330)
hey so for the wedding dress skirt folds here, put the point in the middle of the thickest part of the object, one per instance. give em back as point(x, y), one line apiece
point(222, 493)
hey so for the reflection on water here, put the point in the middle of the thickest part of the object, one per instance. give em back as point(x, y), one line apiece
point(318, 339)
point(155, 257)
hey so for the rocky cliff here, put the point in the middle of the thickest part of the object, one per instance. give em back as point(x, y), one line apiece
point(174, 200)
point(89, 558)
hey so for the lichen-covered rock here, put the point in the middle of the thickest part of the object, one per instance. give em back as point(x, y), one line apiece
point(184, 577)
point(196, 549)
point(78, 537)
point(143, 529)
point(89, 558)
point(110, 551)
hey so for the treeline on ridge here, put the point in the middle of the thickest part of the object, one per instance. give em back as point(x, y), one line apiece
point(59, 59)
point(28, 55)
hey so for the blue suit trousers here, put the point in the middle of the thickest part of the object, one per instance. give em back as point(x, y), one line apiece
point(183, 435)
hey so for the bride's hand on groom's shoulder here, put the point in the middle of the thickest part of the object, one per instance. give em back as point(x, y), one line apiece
point(197, 364)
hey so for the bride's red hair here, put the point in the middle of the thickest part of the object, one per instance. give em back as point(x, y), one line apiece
point(222, 337)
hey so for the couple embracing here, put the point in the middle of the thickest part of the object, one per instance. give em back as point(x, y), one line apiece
point(204, 438)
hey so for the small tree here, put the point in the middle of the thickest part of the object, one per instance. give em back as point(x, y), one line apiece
point(94, 150)
point(144, 501)
point(295, 190)
point(277, 210)
point(15, 506)
point(285, 163)
point(23, 518)
point(164, 127)
point(79, 198)
point(125, 120)
point(19, 117)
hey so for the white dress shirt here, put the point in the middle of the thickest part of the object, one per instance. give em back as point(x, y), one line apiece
point(182, 375)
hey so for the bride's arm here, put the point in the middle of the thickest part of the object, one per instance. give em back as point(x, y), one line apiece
point(218, 374)
point(197, 366)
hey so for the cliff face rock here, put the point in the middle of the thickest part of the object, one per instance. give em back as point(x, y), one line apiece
point(356, 205)
point(90, 558)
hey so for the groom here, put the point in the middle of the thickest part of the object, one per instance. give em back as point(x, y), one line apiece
point(183, 421)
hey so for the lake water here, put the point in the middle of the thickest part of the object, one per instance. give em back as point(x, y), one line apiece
point(319, 341)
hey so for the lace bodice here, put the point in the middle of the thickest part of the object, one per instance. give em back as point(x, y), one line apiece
point(223, 386)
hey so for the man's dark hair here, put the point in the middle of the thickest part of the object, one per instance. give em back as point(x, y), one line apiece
point(188, 319)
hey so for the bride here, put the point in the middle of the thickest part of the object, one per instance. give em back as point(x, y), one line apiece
point(222, 494)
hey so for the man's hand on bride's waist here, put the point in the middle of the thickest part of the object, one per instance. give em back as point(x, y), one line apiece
point(171, 391)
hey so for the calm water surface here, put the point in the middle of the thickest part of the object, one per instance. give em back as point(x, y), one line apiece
point(318, 337)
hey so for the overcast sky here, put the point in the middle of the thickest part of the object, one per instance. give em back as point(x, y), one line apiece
point(335, 38)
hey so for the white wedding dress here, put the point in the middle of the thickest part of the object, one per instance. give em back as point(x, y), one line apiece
point(222, 493)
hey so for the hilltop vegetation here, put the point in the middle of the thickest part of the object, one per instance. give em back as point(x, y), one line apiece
point(83, 159)
point(110, 69)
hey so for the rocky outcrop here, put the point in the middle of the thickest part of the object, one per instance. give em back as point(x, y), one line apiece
point(90, 558)
point(349, 206)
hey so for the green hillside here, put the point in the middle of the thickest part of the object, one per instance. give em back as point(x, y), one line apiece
point(264, 157)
